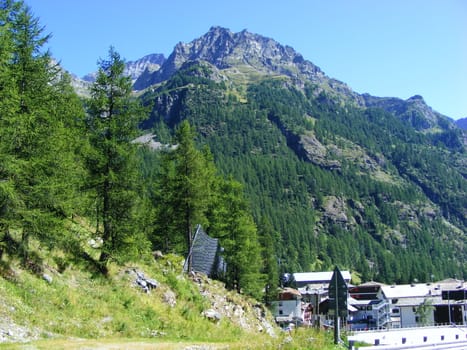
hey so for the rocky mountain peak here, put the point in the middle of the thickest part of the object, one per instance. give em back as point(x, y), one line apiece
point(227, 50)
point(150, 63)
point(145, 65)
point(414, 110)
point(416, 98)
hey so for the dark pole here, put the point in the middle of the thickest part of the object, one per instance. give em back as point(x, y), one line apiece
point(336, 315)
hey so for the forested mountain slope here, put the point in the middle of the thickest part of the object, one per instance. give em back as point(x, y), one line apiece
point(299, 173)
point(375, 185)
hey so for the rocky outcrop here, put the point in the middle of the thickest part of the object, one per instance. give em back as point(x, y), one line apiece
point(250, 316)
point(227, 50)
point(147, 64)
point(413, 110)
point(335, 210)
point(141, 281)
point(134, 69)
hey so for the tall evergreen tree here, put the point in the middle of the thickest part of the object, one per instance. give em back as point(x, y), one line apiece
point(183, 193)
point(32, 132)
point(268, 239)
point(232, 223)
point(112, 125)
point(7, 109)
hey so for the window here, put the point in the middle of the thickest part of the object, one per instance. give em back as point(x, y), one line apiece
point(395, 311)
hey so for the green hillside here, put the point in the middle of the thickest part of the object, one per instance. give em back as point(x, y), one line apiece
point(341, 184)
point(290, 170)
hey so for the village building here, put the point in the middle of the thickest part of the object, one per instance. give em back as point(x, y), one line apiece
point(405, 301)
point(420, 304)
point(371, 308)
point(288, 308)
point(374, 305)
point(452, 308)
point(313, 286)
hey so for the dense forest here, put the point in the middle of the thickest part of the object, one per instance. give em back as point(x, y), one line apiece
point(70, 173)
point(398, 194)
point(289, 179)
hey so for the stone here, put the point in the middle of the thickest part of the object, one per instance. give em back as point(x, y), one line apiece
point(47, 278)
point(152, 283)
point(157, 254)
point(212, 315)
point(170, 298)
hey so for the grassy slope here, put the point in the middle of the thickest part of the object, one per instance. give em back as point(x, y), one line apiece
point(77, 309)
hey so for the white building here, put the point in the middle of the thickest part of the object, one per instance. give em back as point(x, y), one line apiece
point(405, 300)
point(371, 309)
point(288, 309)
point(427, 303)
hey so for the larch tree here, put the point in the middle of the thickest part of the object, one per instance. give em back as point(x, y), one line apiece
point(269, 239)
point(7, 110)
point(183, 192)
point(112, 124)
point(33, 170)
point(231, 221)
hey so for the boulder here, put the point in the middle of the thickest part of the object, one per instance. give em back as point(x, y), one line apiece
point(212, 315)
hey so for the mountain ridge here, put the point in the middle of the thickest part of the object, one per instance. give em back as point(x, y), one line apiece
point(227, 51)
point(328, 167)
point(332, 170)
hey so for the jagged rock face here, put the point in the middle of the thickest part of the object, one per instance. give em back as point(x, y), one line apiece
point(150, 63)
point(414, 109)
point(134, 69)
point(226, 50)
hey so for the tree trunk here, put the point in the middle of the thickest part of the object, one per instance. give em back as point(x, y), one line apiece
point(107, 234)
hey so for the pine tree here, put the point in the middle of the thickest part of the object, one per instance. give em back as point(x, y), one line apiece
point(34, 174)
point(232, 223)
point(268, 238)
point(183, 193)
point(7, 110)
point(112, 125)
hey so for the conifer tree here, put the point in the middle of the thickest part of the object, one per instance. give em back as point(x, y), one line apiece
point(7, 109)
point(269, 238)
point(183, 193)
point(232, 223)
point(35, 183)
point(112, 125)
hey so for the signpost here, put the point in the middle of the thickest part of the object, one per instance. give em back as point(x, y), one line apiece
point(338, 292)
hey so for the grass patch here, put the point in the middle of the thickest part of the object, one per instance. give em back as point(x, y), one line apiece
point(81, 310)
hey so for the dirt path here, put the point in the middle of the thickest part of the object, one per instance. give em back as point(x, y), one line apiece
point(112, 345)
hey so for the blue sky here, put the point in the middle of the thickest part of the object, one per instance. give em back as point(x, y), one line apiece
point(396, 48)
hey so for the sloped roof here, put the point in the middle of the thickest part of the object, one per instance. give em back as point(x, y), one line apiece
point(204, 252)
point(371, 283)
point(292, 291)
point(322, 276)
